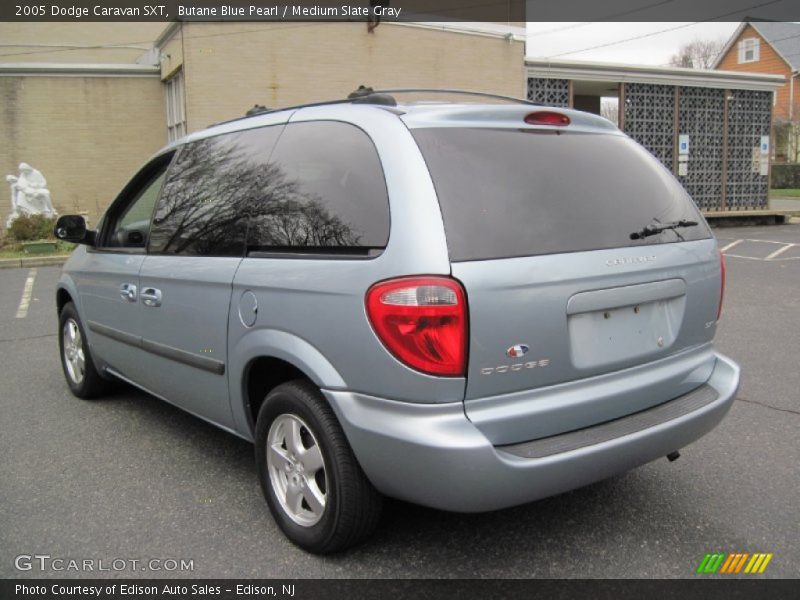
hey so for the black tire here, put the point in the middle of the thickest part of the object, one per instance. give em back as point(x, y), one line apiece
point(352, 506)
point(90, 384)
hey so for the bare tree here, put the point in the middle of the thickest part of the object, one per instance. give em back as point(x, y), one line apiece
point(218, 195)
point(697, 54)
point(787, 141)
point(609, 108)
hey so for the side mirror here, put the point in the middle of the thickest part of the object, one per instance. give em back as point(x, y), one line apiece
point(72, 228)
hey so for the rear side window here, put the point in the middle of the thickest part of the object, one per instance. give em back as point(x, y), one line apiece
point(215, 186)
point(330, 195)
point(515, 192)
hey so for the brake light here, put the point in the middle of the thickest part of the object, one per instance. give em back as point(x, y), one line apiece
point(547, 117)
point(422, 321)
point(722, 284)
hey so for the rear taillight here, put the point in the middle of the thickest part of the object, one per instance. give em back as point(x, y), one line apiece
point(721, 284)
point(422, 321)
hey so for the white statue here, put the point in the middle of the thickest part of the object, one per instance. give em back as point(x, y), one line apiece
point(29, 194)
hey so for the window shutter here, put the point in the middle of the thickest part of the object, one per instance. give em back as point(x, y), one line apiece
point(741, 51)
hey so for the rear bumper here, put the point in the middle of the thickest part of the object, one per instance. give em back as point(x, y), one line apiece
point(433, 455)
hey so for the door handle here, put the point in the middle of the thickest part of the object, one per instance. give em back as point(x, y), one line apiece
point(128, 292)
point(151, 297)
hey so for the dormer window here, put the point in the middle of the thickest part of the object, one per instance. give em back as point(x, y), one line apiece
point(748, 50)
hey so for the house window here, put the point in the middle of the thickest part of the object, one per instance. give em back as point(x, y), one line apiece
point(176, 113)
point(748, 50)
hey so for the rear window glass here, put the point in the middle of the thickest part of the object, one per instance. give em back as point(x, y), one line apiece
point(515, 192)
point(330, 195)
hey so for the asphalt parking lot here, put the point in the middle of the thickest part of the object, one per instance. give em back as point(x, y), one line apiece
point(130, 477)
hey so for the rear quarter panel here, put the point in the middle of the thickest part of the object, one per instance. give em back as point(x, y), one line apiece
point(311, 310)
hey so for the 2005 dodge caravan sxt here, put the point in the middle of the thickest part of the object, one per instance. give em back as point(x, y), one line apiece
point(466, 306)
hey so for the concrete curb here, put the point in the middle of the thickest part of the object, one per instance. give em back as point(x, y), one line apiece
point(38, 261)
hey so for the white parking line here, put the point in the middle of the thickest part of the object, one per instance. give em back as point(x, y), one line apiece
point(27, 292)
point(772, 256)
point(764, 241)
point(731, 245)
point(740, 256)
point(779, 251)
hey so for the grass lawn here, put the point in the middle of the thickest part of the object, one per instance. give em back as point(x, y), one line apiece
point(62, 248)
point(785, 193)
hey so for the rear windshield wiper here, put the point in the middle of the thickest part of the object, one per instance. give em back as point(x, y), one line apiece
point(658, 227)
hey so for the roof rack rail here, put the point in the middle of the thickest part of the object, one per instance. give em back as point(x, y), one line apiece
point(362, 95)
point(454, 91)
point(256, 110)
point(367, 95)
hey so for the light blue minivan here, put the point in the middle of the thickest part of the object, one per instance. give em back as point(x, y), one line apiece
point(463, 305)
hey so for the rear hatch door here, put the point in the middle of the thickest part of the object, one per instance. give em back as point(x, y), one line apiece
point(565, 286)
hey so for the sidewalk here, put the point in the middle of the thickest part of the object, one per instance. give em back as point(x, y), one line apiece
point(34, 261)
point(787, 204)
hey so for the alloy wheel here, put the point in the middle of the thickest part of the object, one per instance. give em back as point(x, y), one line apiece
point(296, 470)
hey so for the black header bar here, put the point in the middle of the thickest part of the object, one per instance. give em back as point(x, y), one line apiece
point(702, 588)
point(499, 11)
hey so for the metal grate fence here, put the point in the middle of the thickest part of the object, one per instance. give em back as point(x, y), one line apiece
point(725, 164)
point(748, 120)
point(649, 118)
point(551, 92)
point(701, 113)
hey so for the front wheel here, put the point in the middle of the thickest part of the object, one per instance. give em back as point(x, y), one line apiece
point(315, 488)
point(82, 377)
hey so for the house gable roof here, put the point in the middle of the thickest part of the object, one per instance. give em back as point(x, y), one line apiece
point(783, 37)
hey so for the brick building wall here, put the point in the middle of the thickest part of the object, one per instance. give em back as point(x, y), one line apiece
point(87, 135)
point(229, 67)
point(82, 42)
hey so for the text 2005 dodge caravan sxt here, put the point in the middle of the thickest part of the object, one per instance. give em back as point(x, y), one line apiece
point(466, 306)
